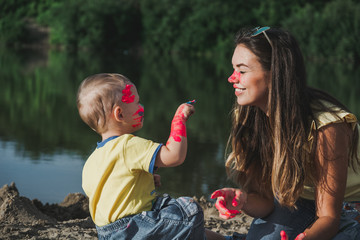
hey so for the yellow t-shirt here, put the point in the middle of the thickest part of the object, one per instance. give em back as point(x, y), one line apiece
point(352, 192)
point(117, 178)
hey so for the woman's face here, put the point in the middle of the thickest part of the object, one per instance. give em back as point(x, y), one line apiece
point(250, 81)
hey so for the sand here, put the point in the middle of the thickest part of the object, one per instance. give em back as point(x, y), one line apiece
point(22, 218)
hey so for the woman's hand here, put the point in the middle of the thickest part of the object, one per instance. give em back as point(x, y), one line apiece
point(284, 236)
point(229, 201)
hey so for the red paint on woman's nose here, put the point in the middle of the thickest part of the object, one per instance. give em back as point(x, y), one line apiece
point(235, 77)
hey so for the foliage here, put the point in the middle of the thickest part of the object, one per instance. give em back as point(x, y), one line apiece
point(272, 12)
point(328, 33)
point(192, 28)
point(180, 26)
point(12, 22)
point(197, 27)
point(93, 24)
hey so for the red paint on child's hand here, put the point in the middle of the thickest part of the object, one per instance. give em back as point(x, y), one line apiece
point(235, 77)
point(127, 94)
point(178, 128)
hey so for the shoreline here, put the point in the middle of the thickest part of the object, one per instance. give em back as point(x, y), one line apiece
point(22, 218)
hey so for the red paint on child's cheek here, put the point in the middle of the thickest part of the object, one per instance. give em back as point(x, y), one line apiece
point(127, 94)
point(140, 111)
point(178, 128)
point(140, 114)
point(235, 77)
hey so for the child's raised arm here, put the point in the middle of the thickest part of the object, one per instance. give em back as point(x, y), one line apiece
point(174, 152)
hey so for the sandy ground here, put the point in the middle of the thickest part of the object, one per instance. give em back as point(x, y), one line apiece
point(22, 218)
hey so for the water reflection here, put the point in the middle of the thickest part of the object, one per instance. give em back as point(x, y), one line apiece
point(49, 179)
point(40, 120)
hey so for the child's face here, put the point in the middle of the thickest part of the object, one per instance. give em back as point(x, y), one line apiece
point(133, 111)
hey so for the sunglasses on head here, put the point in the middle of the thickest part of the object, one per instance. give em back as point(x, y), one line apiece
point(259, 30)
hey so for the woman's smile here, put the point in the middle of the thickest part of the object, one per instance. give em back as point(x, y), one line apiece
point(238, 90)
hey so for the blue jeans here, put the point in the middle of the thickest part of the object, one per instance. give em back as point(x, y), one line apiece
point(349, 228)
point(296, 221)
point(293, 222)
point(170, 218)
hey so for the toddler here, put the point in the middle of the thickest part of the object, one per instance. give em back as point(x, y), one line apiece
point(118, 177)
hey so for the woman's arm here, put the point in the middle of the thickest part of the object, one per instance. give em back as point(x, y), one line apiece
point(332, 163)
point(258, 206)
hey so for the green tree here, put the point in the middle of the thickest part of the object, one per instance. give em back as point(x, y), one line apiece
point(94, 24)
point(328, 33)
point(12, 22)
point(198, 26)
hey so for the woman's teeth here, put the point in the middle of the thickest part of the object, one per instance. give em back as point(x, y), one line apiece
point(240, 89)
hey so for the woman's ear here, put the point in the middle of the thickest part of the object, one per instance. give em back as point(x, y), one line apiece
point(118, 114)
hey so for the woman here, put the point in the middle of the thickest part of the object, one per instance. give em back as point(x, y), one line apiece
point(294, 149)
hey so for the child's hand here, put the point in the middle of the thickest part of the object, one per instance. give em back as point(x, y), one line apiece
point(178, 128)
point(174, 152)
point(157, 180)
point(284, 236)
point(229, 201)
point(185, 110)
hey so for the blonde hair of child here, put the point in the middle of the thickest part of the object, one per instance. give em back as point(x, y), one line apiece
point(96, 97)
